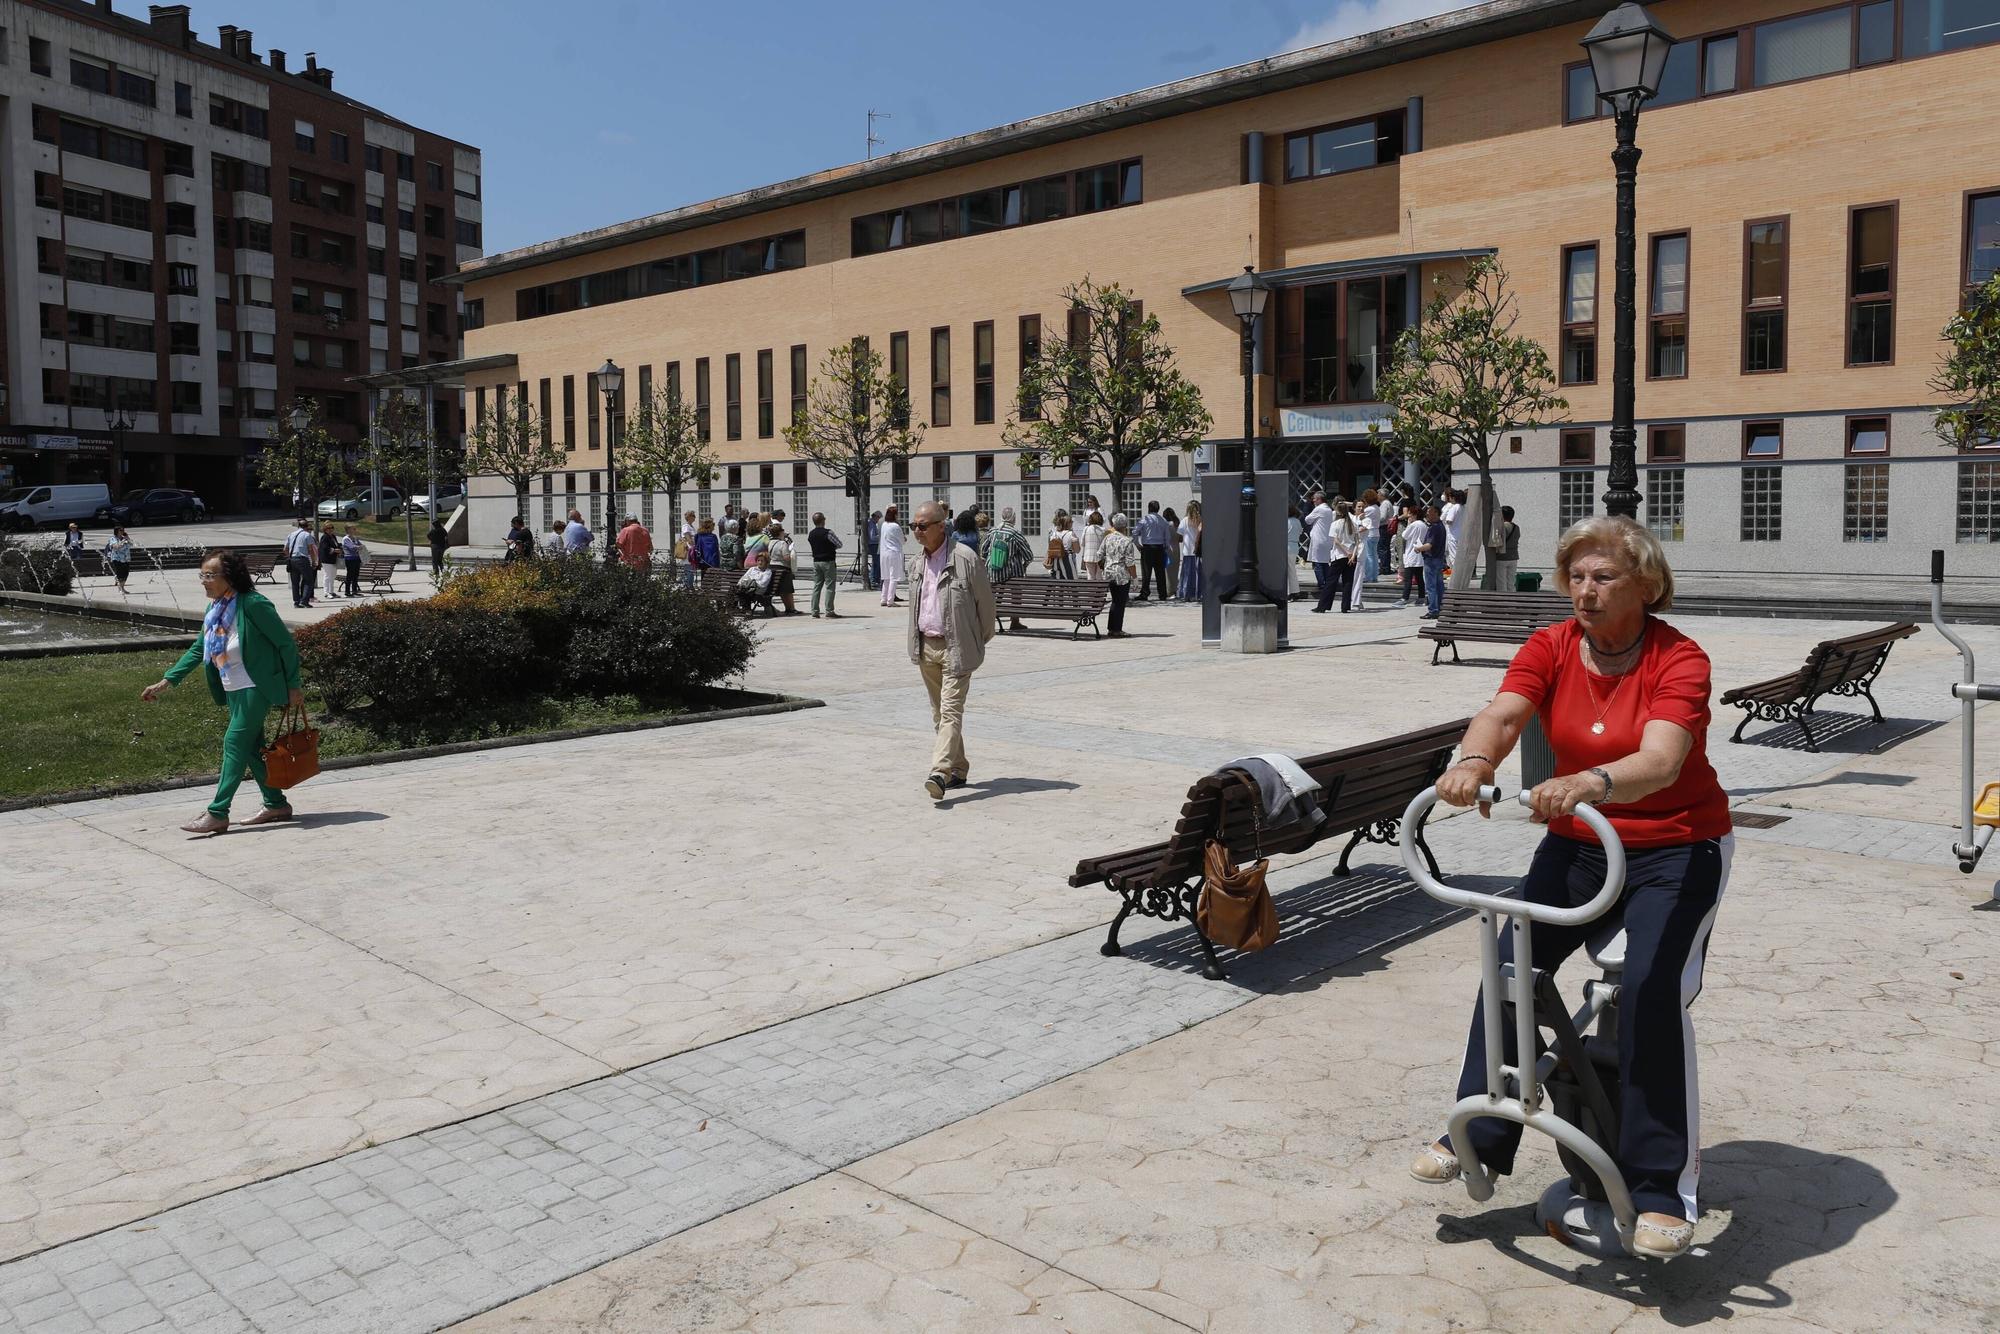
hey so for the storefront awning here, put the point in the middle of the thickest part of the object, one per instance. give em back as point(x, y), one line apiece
point(1344, 268)
point(440, 374)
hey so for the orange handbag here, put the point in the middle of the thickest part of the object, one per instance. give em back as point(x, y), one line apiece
point(292, 756)
point(1235, 908)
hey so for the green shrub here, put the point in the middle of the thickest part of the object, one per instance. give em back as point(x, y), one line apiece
point(35, 567)
point(416, 664)
point(631, 634)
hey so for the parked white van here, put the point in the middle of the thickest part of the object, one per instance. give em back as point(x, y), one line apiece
point(52, 506)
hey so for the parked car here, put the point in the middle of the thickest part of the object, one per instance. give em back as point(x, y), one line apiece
point(161, 504)
point(449, 498)
point(357, 506)
point(52, 506)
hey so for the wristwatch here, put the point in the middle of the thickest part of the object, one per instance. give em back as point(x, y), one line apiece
point(1609, 786)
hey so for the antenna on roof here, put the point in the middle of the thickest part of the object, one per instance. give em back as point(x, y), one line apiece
point(875, 140)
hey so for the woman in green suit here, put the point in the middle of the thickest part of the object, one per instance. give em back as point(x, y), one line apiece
point(252, 666)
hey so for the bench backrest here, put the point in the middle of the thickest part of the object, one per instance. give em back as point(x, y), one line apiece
point(1835, 662)
point(1528, 611)
point(1056, 594)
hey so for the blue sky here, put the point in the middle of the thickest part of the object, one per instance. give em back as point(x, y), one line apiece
point(594, 111)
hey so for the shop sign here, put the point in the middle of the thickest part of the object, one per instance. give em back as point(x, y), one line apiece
point(69, 444)
point(1332, 419)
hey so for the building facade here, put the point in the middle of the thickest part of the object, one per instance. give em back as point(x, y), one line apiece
point(195, 236)
point(1812, 205)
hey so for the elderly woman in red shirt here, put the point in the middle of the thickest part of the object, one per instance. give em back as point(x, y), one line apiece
point(1624, 700)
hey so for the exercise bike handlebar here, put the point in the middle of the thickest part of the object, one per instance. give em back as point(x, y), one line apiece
point(1541, 913)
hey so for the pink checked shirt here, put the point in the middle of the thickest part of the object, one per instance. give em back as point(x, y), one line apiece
point(930, 608)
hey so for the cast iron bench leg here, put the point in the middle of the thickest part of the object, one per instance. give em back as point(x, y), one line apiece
point(1109, 949)
point(1806, 728)
point(1213, 972)
point(1737, 735)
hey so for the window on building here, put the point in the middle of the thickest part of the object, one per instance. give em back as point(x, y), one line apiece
point(732, 396)
point(1031, 348)
point(406, 166)
point(1867, 435)
point(767, 482)
point(1982, 237)
point(1871, 285)
point(1762, 517)
point(1666, 487)
point(1031, 509)
point(38, 55)
point(1802, 47)
point(337, 146)
point(371, 156)
point(1579, 314)
point(302, 352)
point(1978, 500)
point(1719, 57)
point(766, 410)
point(1948, 25)
point(982, 372)
point(466, 233)
point(548, 420)
point(1093, 189)
point(406, 268)
point(434, 175)
point(1763, 440)
point(304, 136)
point(433, 220)
point(1354, 145)
point(569, 412)
point(701, 403)
point(798, 385)
point(899, 373)
point(1575, 497)
point(941, 376)
point(184, 101)
point(474, 316)
point(592, 393)
point(1667, 318)
point(1766, 283)
point(406, 219)
point(1865, 513)
point(1334, 338)
point(1666, 444)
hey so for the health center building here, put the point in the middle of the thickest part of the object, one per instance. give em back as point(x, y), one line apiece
point(1816, 196)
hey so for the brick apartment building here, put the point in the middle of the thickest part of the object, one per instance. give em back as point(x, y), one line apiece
point(196, 235)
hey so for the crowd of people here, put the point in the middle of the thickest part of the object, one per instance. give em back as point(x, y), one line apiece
point(1352, 544)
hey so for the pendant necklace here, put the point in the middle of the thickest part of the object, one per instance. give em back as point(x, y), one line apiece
point(1597, 727)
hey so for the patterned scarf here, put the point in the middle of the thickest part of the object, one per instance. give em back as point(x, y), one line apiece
point(215, 628)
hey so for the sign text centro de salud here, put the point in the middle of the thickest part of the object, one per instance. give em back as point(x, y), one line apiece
point(1331, 419)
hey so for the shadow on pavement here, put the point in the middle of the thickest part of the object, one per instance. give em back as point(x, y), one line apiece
point(1783, 1204)
point(1008, 787)
point(1853, 778)
point(1842, 733)
point(315, 819)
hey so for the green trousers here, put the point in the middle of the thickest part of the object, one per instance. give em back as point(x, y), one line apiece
point(243, 751)
point(826, 574)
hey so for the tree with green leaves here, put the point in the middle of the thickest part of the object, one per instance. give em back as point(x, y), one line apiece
point(855, 420)
point(400, 447)
point(515, 444)
point(661, 449)
point(302, 461)
point(1968, 374)
point(1112, 396)
point(1461, 378)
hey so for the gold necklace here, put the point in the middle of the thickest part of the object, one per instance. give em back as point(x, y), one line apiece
point(1597, 727)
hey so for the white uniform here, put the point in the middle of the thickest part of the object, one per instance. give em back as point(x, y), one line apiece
point(1319, 537)
point(890, 548)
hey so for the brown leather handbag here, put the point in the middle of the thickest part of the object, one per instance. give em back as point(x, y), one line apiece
point(1235, 908)
point(292, 756)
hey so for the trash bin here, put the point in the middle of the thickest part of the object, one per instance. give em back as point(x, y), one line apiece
point(1529, 582)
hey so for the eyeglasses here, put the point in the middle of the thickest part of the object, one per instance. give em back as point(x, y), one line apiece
point(922, 524)
point(211, 574)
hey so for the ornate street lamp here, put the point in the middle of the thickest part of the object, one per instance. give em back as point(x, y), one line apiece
point(300, 420)
point(1628, 54)
point(1247, 297)
point(610, 379)
point(118, 424)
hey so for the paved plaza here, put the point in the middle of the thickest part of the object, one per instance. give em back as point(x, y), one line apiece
point(729, 1027)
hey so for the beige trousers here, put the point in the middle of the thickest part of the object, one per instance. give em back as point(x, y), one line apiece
point(948, 694)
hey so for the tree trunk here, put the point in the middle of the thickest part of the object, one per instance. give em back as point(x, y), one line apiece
point(410, 529)
point(1489, 510)
point(674, 515)
point(861, 528)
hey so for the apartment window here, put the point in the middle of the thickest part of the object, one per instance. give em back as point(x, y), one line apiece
point(252, 290)
point(1031, 348)
point(1802, 47)
point(798, 384)
point(182, 280)
point(1031, 509)
point(466, 233)
point(177, 159)
point(941, 376)
point(1871, 285)
point(475, 313)
point(548, 421)
point(406, 166)
point(732, 396)
point(1865, 514)
point(303, 136)
point(1579, 314)
point(1091, 190)
point(1575, 495)
point(1333, 338)
point(371, 156)
point(433, 220)
point(1762, 517)
point(569, 412)
point(1666, 444)
point(701, 405)
point(1763, 440)
point(1719, 57)
point(899, 372)
point(1982, 238)
point(378, 260)
point(406, 219)
point(1667, 318)
point(38, 55)
point(91, 77)
point(591, 393)
point(302, 352)
point(1666, 503)
point(982, 372)
point(337, 146)
point(1766, 283)
point(1978, 500)
point(1354, 145)
point(1867, 435)
point(767, 482)
point(766, 411)
point(434, 175)
point(184, 101)
point(406, 268)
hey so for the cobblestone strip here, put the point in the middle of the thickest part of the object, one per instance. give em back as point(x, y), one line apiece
point(1859, 835)
point(430, 1229)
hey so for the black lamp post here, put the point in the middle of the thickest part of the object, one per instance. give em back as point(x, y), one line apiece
point(610, 379)
point(1247, 297)
point(118, 424)
point(1628, 53)
point(300, 420)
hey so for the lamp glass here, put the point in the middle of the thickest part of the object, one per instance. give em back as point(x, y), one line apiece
point(609, 378)
point(1247, 296)
point(1628, 54)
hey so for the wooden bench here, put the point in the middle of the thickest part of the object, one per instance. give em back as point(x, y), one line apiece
point(1833, 667)
point(379, 573)
point(263, 565)
point(1495, 618)
point(1365, 789)
point(1039, 597)
point(719, 587)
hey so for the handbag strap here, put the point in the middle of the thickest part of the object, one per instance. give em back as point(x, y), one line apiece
point(1256, 810)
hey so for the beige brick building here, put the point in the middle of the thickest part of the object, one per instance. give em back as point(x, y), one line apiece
point(1817, 190)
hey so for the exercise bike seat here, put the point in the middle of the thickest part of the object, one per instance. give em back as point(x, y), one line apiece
point(1606, 945)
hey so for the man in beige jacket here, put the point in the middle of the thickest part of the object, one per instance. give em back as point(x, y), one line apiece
point(951, 618)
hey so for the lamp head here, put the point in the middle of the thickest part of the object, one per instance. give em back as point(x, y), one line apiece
point(300, 417)
point(1628, 54)
point(609, 378)
point(1247, 296)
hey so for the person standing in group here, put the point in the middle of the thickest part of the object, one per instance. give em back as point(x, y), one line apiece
point(890, 555)
point(1408, 534)
point(440, 539)
point(1509, 562)
point(1055, 553)
point(1072, 545)
point(952, 619)
point(118, 555)
point(784, 565)
point(1173, 551)
point(826, 564)
point(301, 560)
point(871, 542)
point(690, 529)
point(1119, 558)
point(1430, 544)
point(965, 530)
point(1344, 544)
point(1319, 549)
point(1371, 516)
point(329, 558)
point(552, 541)
point(576, 537)
point(352, 551)
point(1152, 539)
point(706, 553)
point(251, 665)
point(1093, 544)
point(635, 545)
point(520, 540)
point(729, 548)
point(1191, 553)
point(1454, 513)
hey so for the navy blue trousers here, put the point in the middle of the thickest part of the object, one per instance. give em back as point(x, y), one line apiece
point(1669, 905)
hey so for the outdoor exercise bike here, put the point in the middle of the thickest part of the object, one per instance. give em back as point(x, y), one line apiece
point(1570, 1089)
point(1977, 819)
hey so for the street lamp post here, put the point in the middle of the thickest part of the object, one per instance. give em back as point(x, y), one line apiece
point(610, 379)
point(300, 420)
point(1247, 297)
point(1628, 53)
point(118, 424)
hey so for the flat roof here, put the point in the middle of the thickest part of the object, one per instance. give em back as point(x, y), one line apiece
point(450, 373)
point(1341, 268)
point(1460, 28)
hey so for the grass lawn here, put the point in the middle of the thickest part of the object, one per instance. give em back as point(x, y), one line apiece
point(70, 724)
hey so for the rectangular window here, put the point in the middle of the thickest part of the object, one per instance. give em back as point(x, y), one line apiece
point(732, 396)
point(766, 411)
point(1666, 503)
point(337, 146)
point(1112, 185)
point(1802, 47)
point(1666, 444)
point(1867, 435)
point(1579, 314)
point(1875, 33)
point(1031, 509)
point(1948, 25)
point(569, 412)
point(1667, 317)
point(591, 392)
point(1763, 512)
point(1865, 514)
point(798, 384)
point(371, 156)
point(982, 372)
point(548, 418)
point(1766, 284)
point(941, 376)
point(1580, 94)
point(1350, 146)
point(1982, 236)
point(38, 55)
point(1031, 348)
point(1871, 285)
point(899, 372)
point(1575, 497)
point(1718, 65)
point(702, 418)
point(303, 136)
point(858, 352)
point(1763, 440)
point(1978, 501)
point(184, 100)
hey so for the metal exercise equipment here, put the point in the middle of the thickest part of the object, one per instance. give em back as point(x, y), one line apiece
point(1977, 819)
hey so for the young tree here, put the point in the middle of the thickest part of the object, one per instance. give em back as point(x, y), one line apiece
point(855, 419)
point(1112, 396)
point(304, 462)
point(662, 450)
point(514, 444)
point(400, 446)
point(1968, 374)
point(1461, 378)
